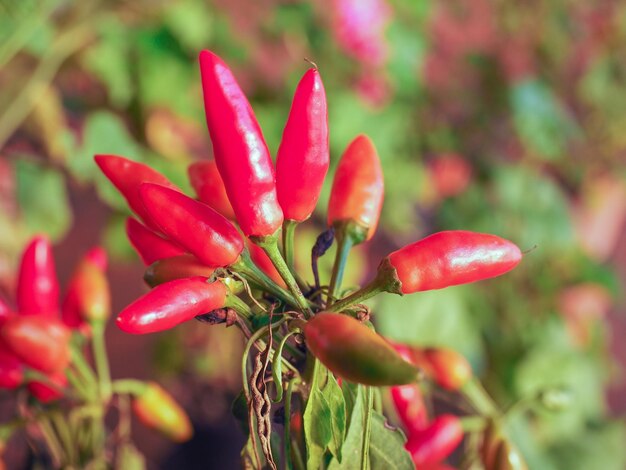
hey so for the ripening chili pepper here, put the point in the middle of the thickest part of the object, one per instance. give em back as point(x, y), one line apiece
point(149, 245)
point(11, 369)
point(46, 393)
point(450, 258)
point(260, 258)
point(358, 188)
point(158, 410)
point(409, 404)
point(209, 186)
point(192, 224)
point(448, 368)
point(240, 151)
point(170, 304)
point(354, 352)
point(37, 285)
point(303, 158)
point(127, 175)
point(40, 342)
point(88, 297)
point(433, 444)
point(176, 267)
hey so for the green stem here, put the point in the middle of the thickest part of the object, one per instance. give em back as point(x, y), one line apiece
point(270, 246)
point(84, 370)
point(367, 429)
point(360, 296)
point(479, 398)
point(287, 427)
point(65, 436)
point(344, 245)
point(289, 230)
point(472, 423)
point(77, 384)
point(128, 387)
point(246, 268)
point(54, 446)
point(101, 359)
point(239, 306)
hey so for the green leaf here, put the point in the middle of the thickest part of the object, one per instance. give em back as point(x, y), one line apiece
point(277, 368)
point(129, 458)
point(190, 21)
point(324, 418)
point(387, 446)
point(43, 199)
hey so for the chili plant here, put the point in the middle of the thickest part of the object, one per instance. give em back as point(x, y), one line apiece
point(45, 348)
point(315, 373)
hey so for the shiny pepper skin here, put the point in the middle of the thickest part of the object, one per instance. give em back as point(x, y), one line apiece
point(158, 410)
point(354, 352)
point(409, 404)
point(126, 175)
point(37, 285)
point(40, 342)
point(192, 224)
point(149, 245)
point(264, 263)
point(176, 267)
point(303, 157)
point(450, 258)
point(44, 392)
point(170, 304)
point(240, 151)
point(358, 187)
point(209, 186)
point(433, 444)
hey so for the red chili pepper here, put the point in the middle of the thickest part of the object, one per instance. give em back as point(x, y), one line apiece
point(88, 297)
point(302, 159)
point(209, 186)
point(358, 187)
point(149, 245)
point(433, 444)
point(40, 342)
point(240, 150)
point(176, 267)
point(449, 369)
point(450, 258)
point(126, 175)
point(409, 404)
point(5, 312)
point(260, 258)
point(11, 369)
point(46, 393)
point(194, 225)
point(158, 410)
point(37, 285)
point(170, 304)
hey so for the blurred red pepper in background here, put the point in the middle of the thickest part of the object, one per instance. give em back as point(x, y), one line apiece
point(37, 286)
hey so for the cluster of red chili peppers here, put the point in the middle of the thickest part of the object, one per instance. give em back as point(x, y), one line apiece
point(227, 256)
point(43, 345)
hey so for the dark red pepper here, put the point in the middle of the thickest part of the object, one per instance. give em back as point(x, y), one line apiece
point(433, 444)
point(302, 159)
point(450, 258)
point(149, 245)
point(37, 285)
point(40, 342)
point(208, 235)
point(209, 186)
point(170, 304)
point(240, 151)
point(358, 188)
point(126, 175)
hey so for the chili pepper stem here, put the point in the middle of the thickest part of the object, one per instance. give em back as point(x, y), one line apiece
point(270, 246)
point(128, 387)
point(287, 436)
point(246, 267)
point(479, 398)
point(239, 306)
point(472, 423)
point(84, 370)
point(370, 290)
point(344, 245)
point(367, 429)
point(289, 231)
point(101, 359)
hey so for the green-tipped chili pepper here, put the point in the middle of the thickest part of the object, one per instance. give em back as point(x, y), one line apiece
point(354, 352)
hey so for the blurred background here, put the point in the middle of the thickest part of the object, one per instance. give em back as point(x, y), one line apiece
point(488, 115)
